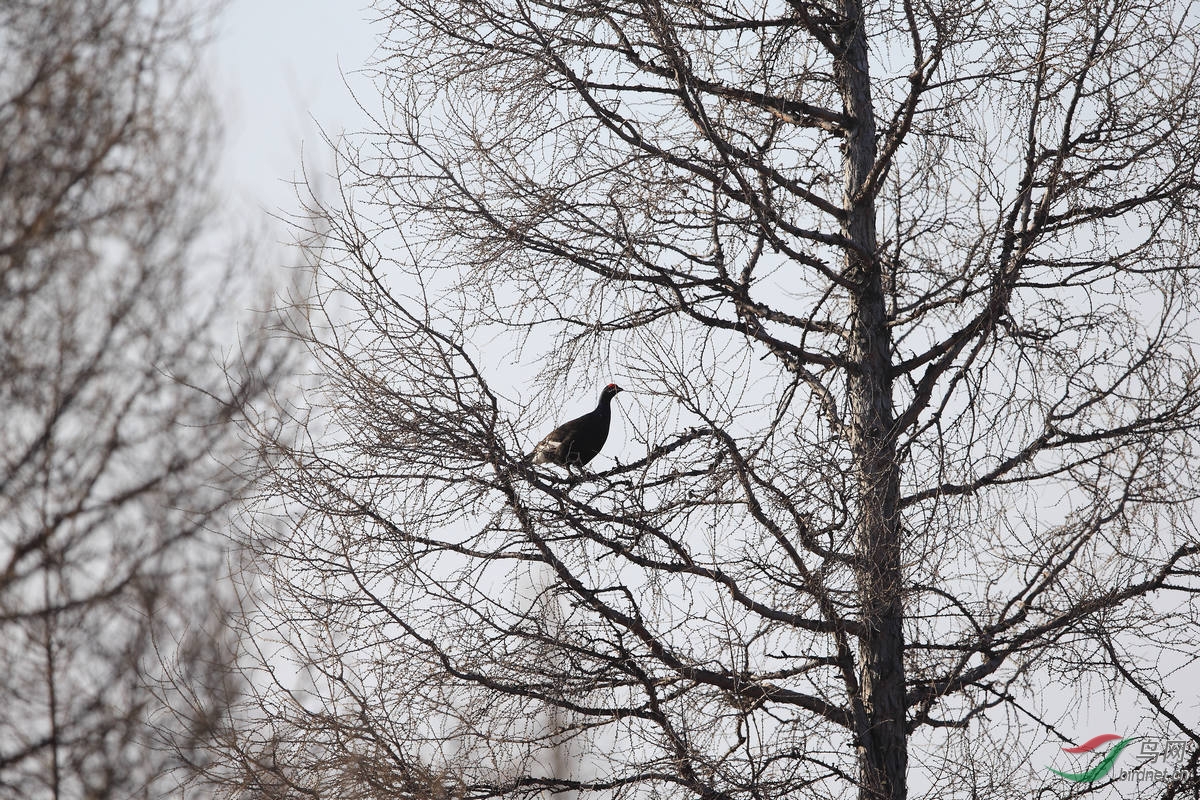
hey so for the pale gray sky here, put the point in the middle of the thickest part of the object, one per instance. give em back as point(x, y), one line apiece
point(276, 69)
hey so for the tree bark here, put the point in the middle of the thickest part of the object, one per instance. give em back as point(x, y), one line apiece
point(883, 756)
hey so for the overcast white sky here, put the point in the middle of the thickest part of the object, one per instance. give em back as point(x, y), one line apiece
point(276, 68)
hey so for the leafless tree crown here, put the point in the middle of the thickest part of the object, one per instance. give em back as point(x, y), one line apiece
point(117, 460)
point(904, 298)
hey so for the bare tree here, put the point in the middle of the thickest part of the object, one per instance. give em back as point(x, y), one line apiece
point(904, 298)
point(117, 457)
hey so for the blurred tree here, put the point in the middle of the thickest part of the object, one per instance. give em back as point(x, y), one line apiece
point(117, 456)
point(904, 298)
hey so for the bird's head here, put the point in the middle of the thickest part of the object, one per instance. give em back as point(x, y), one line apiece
point(611, 390)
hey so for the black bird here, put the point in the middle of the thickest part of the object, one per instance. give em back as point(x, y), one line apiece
point(577, 442)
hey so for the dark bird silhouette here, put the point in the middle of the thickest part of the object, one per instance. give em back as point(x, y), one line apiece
point(577, 442)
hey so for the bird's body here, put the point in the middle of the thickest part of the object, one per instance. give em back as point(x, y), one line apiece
point(577, 442)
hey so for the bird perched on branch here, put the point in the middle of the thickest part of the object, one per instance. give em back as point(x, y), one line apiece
point(577, 442)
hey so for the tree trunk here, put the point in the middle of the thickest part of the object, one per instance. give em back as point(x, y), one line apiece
point(883, 756)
